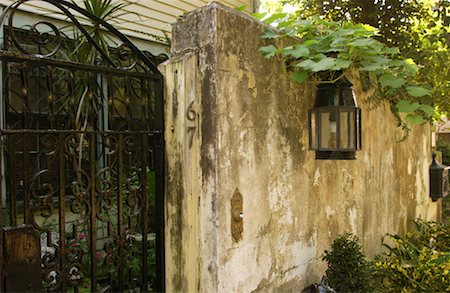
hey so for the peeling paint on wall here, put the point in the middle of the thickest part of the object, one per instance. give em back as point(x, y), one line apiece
point(254, 137)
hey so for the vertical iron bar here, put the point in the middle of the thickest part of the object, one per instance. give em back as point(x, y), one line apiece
point(93, 221)
point(2, 195)
point(159, 188)
point(3, 95)
point(26, 155)
point(13, 185)
point(145, 216)
point(120, 214)
point(62, 216)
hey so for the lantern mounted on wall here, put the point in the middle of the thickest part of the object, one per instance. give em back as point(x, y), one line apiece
point(335, 122)
point(439, 180)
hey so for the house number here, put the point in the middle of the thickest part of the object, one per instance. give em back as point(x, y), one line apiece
point(192, 117)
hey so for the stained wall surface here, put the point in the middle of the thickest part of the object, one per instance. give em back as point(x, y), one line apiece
point(236, 122)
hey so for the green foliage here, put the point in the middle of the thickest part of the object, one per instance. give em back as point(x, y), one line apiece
point(444, 148)
point(340, 47)
point(420, 29)
point(418, 262)
point(348, 270)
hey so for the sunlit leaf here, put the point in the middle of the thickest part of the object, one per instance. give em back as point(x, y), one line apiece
point(259, 15)
point(241, 7)
point(275, 17)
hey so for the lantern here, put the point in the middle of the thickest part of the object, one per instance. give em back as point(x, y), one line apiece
point(438, 179)
point(335, 122)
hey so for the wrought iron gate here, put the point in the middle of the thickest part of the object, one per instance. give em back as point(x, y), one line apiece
point(81, 158)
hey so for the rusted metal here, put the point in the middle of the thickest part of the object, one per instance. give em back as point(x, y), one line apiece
point(237, 223)
point(21, 260)
point(84, 160)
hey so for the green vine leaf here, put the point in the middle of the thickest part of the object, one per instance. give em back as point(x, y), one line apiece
point(324, 64)
point(269, 34)
point(415, 119)
point(241, 7)
point(334, 46)
point(268, 51)
point(297, 51)
point(404, 106)
point(390, 80)
point(417, 91)
point(342, 64)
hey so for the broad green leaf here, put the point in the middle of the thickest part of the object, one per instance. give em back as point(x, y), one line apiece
point(417, 91)
point(389, 80)
point(404, 106)
point(324, 44)
point(259, 15)
point(378, 59)
point(299, 76)
point(268, 51)
point(275, 17)
point(306, 64)
point(362, 42)
point(297, 51)
point(410, 66)
point(347, 32)
point(318, 57)
point(269, 34)
point(310, 42)
point(241, 7)
point(427, 109)
point(324, 64)
point(370, 66)
point(341, 64)
point(415, 119)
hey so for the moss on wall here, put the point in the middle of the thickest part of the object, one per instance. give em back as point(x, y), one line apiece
point(253, 137)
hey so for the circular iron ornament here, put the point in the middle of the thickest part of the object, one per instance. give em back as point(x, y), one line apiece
point(38, 38)
point(110, 142)
point(126, 56)
point(49, 144)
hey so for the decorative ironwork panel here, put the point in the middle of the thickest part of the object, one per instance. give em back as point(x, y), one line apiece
point(82, 152)
point(91, 197)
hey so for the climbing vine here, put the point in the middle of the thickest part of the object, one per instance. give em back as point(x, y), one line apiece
point(319, 46)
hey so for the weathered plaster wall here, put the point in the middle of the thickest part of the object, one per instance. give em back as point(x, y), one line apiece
point(250, 133)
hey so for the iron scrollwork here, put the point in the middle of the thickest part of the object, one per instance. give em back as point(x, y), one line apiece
point(77, 152)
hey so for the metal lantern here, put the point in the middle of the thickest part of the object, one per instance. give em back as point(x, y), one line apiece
point(438, 179)
point(335, 122)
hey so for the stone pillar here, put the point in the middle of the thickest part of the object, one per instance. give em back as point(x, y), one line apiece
point(191, 190)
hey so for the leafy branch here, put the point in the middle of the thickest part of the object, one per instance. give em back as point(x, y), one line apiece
point(320, 46)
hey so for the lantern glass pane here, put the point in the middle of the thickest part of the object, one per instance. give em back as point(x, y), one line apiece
point(328, 129)
point(313, 139)
point(347, 131)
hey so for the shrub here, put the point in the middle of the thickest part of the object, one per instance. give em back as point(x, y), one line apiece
point(348, 269)
point(418, 262)
point(444, 148)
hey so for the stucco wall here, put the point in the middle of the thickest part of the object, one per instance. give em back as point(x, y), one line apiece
point(249, 125)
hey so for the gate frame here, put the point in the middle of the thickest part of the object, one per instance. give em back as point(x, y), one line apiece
point(65, 7)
